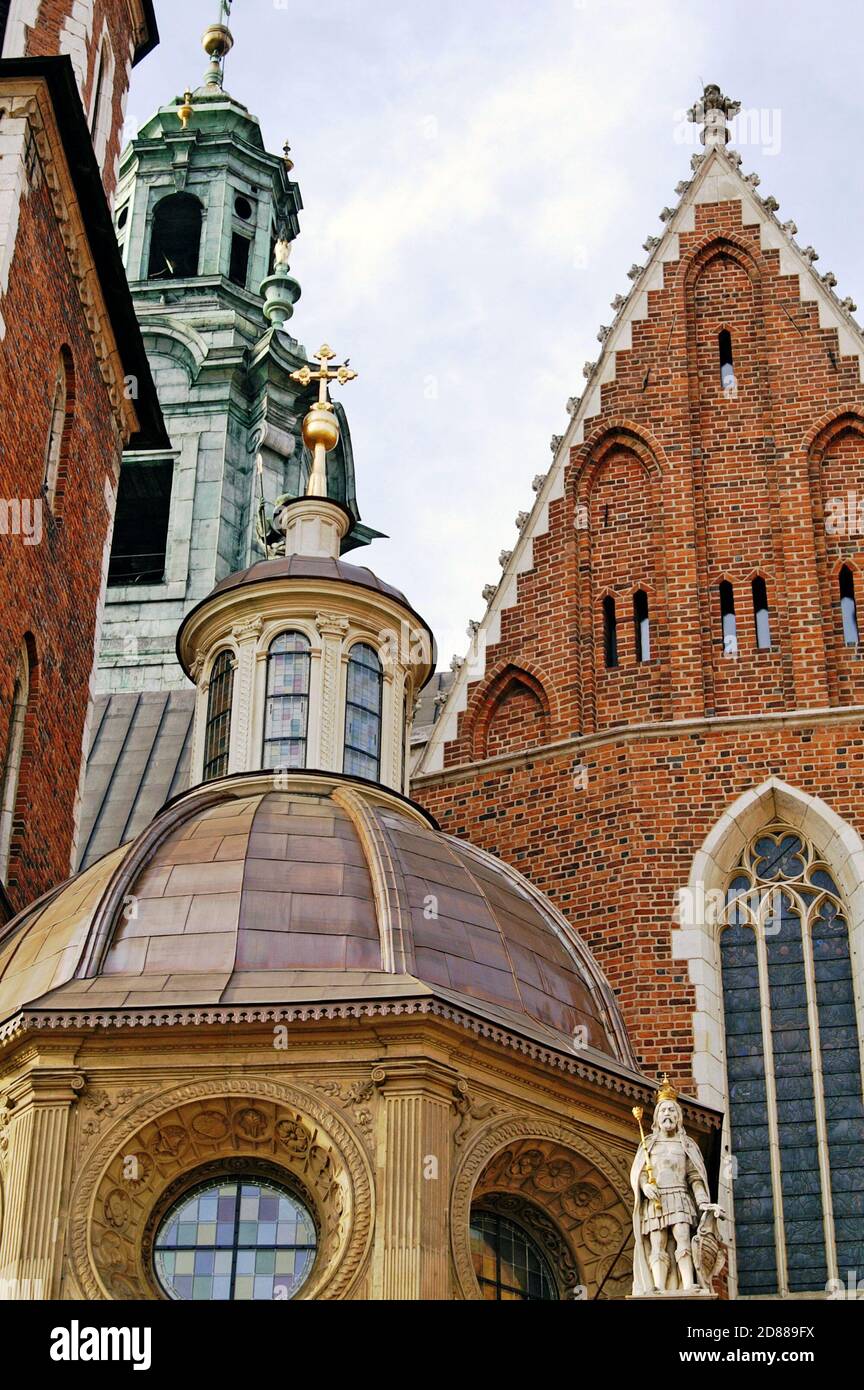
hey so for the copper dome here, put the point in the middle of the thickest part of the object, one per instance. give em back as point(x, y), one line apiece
point(239, 893)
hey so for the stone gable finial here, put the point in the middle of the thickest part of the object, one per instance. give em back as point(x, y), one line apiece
point(713, 112)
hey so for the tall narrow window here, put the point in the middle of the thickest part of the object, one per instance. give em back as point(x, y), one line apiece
point(641, 626)
point(286, 716)
point(761, 614)
point(12, 761)
point(610, 632)
point(238, 268)
point(727, 367)
point(139, 545)
point(793, 1064)
point(727, 616)
point(175, 239)
point(363, 714)
point(58, 430)
point(218, 732)
point(102, 94)
point(848, 607)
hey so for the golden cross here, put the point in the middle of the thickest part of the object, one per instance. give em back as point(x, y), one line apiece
point(324, 374)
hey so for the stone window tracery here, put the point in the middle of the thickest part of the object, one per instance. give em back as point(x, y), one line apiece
point(793, 1069)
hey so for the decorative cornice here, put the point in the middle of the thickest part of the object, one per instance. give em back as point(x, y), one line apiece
point(630, 1087)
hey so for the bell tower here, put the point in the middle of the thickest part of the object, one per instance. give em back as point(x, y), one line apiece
point(206, 217)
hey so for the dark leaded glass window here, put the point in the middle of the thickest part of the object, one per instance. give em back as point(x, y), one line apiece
point(235, 1239)
point(363, 714)
point(218, 733)
point(508, 1263)
point(793, 1069)
point(287, 713)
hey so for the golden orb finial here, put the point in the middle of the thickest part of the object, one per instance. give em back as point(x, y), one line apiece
point(667, 1090)
point(217, 40)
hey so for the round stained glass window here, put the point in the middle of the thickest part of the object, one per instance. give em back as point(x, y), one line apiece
point(235, 1238)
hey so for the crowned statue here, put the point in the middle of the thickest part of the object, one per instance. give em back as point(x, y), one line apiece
point(677, 1245)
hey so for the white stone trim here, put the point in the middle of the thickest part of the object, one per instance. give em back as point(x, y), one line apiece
point(101, 122)
point(75, 39)
point(22, 16)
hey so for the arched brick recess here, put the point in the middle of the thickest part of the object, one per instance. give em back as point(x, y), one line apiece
point(617, 477)
point(835, 469)
point(736, 516)
point(516, 698)
point(505, 679)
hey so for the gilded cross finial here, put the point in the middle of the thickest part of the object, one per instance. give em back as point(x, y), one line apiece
point(320, 427)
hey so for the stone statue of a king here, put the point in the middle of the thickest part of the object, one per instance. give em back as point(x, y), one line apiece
point(677, 1247)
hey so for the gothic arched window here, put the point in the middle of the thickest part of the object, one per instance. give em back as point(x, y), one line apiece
point(727, 619)
point(610, 632)
point(218, 731)
point(286, 716)
point(57, 443)
point(12, 760)
point(363, 713)
point(848, 607)
point(761, 613)
point(641, 626)
point(175, 239)
point(793, 1068)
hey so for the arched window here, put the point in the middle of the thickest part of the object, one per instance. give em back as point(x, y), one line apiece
point(286, 716)
point(363, 714)
point(102, 98)
point(12, 760)
point(793, 1068)
point(509, 1263)
point(218, 731)
point(848, 607)
point(610, 632)
point(727, 366)
point(235, 1238)
point(727, 617)
point(175, 238)
point(57, 443)
point(641, 626)
point(761, 614)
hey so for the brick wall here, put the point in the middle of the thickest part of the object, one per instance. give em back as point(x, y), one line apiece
point(679, 485)
point(76, 27)
point(49, 591)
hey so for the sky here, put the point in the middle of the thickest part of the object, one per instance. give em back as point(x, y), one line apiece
point(477, 179)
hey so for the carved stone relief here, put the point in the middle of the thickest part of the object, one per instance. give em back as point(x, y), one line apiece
point(564, 1188)
point(166, 1143)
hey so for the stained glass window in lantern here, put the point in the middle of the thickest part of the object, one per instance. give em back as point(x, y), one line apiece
point(286, 716)
point(235, 1239)
point(218, 731)
point(363, 714)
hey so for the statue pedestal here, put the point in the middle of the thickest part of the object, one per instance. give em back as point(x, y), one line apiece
point(680, 1295)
